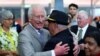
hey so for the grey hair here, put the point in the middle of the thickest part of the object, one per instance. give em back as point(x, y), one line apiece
point(62, 27)
point(5, 14)
point(84, 13)
point(31, 12)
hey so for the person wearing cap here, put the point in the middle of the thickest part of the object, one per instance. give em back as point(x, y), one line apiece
point(58, 27)
point(8, 36)
point(33, 37)
point(82, 29)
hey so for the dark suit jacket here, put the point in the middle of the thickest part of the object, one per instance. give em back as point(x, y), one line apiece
point(98, 25)
point(63, 36)
point(89, 29)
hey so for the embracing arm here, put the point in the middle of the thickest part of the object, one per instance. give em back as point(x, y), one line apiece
point(25, 47)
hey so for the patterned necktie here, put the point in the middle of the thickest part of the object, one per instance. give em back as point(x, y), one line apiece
point(80, 34)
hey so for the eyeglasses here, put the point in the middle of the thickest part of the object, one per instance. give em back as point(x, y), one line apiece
point(39, 16)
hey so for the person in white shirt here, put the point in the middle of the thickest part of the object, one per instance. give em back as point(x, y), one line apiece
point(83, 24)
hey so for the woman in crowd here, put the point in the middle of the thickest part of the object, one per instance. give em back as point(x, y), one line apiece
point(8, 35)
point(92, 44)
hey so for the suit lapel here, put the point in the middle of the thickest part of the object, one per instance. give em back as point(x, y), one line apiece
point(88, 30)
point(33, 33)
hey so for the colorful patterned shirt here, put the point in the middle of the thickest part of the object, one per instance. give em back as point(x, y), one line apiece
point(8, 40)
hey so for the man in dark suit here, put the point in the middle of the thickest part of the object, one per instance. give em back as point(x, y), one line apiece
point(82, 29)
point(58, 29)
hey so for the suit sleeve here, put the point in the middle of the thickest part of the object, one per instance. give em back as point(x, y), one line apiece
point(25, 48)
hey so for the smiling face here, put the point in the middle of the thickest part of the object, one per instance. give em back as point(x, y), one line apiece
point(81, 21)
point(38, 18)
point(91, 47)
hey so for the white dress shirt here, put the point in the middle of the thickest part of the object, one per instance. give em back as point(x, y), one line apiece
point(84, 30)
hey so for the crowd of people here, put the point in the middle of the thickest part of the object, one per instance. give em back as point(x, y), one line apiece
point(67, 34)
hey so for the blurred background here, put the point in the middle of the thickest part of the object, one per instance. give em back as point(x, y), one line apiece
point(20, 7)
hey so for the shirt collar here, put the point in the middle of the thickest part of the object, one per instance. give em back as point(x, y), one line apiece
point(34, 28)
point(85, 27)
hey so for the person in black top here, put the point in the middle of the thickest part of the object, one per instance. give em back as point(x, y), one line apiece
point(58, 28)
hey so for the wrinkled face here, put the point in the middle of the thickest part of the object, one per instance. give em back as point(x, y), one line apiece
point(7, 22)
point(82, 21)
point(73, 10)
point(91, 47)
point(38, 18)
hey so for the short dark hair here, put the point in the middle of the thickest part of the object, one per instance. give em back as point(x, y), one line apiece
point(95, 35)
point(73, 5)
